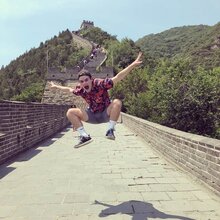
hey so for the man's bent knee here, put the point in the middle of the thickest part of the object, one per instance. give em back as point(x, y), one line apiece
point(117, 102)
point(73, 112)
point(76, 113)
point(114, 107)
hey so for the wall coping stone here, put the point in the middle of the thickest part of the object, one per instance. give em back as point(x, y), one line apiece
point(188, 136)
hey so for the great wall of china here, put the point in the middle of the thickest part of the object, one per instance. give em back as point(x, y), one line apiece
point(23, 125)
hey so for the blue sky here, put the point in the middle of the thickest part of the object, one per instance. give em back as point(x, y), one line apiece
point(24, 24)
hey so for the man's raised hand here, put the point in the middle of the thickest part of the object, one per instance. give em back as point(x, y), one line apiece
point(138, 60)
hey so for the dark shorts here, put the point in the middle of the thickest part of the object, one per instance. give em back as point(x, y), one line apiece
point(98, 117)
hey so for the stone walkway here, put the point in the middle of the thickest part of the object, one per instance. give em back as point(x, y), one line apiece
point(121, 179)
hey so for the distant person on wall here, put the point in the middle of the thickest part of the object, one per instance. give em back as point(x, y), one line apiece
point(101, 109)
point(84, 62)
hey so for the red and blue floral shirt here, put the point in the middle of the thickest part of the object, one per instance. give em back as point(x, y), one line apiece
point(98, 98)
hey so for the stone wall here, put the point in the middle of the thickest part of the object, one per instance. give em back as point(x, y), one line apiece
point(59, 97)
point(22, 125)
point(82, 42)
point(198, 155)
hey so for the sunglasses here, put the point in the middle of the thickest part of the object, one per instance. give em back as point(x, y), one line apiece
point(85, 80)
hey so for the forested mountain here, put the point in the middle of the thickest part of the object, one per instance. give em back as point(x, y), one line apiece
point(24, 78)
point(177, 85)
point(200, 44)
point(27, 73)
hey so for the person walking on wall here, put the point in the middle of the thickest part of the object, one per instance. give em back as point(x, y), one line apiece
point(101, 109)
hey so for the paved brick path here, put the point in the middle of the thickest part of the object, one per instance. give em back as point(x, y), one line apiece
point(121, 179)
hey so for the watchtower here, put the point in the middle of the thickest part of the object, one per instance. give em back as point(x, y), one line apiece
point(86, 24)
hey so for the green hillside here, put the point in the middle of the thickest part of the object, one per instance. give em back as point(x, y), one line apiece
point(200, 44)
point(27, 73)
point(24, 78)
point(177, 84)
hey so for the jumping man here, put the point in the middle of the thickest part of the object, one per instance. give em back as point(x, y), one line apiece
point(101, 109)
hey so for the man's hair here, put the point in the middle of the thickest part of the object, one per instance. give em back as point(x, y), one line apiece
point(84, 73)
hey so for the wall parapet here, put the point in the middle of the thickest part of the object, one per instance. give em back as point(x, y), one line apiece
point(23, 125)
point(198, 155)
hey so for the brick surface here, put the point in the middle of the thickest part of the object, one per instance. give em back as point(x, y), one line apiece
point(25, 124)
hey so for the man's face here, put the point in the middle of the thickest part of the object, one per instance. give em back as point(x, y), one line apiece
point(86, 83)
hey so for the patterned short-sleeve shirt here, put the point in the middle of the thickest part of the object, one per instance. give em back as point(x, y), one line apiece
point(98, 98)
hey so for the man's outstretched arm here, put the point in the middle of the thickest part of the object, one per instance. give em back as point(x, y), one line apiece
point(122, 74)
point(63, 88)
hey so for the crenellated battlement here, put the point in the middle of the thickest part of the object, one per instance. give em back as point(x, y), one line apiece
point(86, 24)
point(23, 125)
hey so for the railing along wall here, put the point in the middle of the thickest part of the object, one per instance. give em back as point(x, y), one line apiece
point(22, 125)
point(198, 155)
